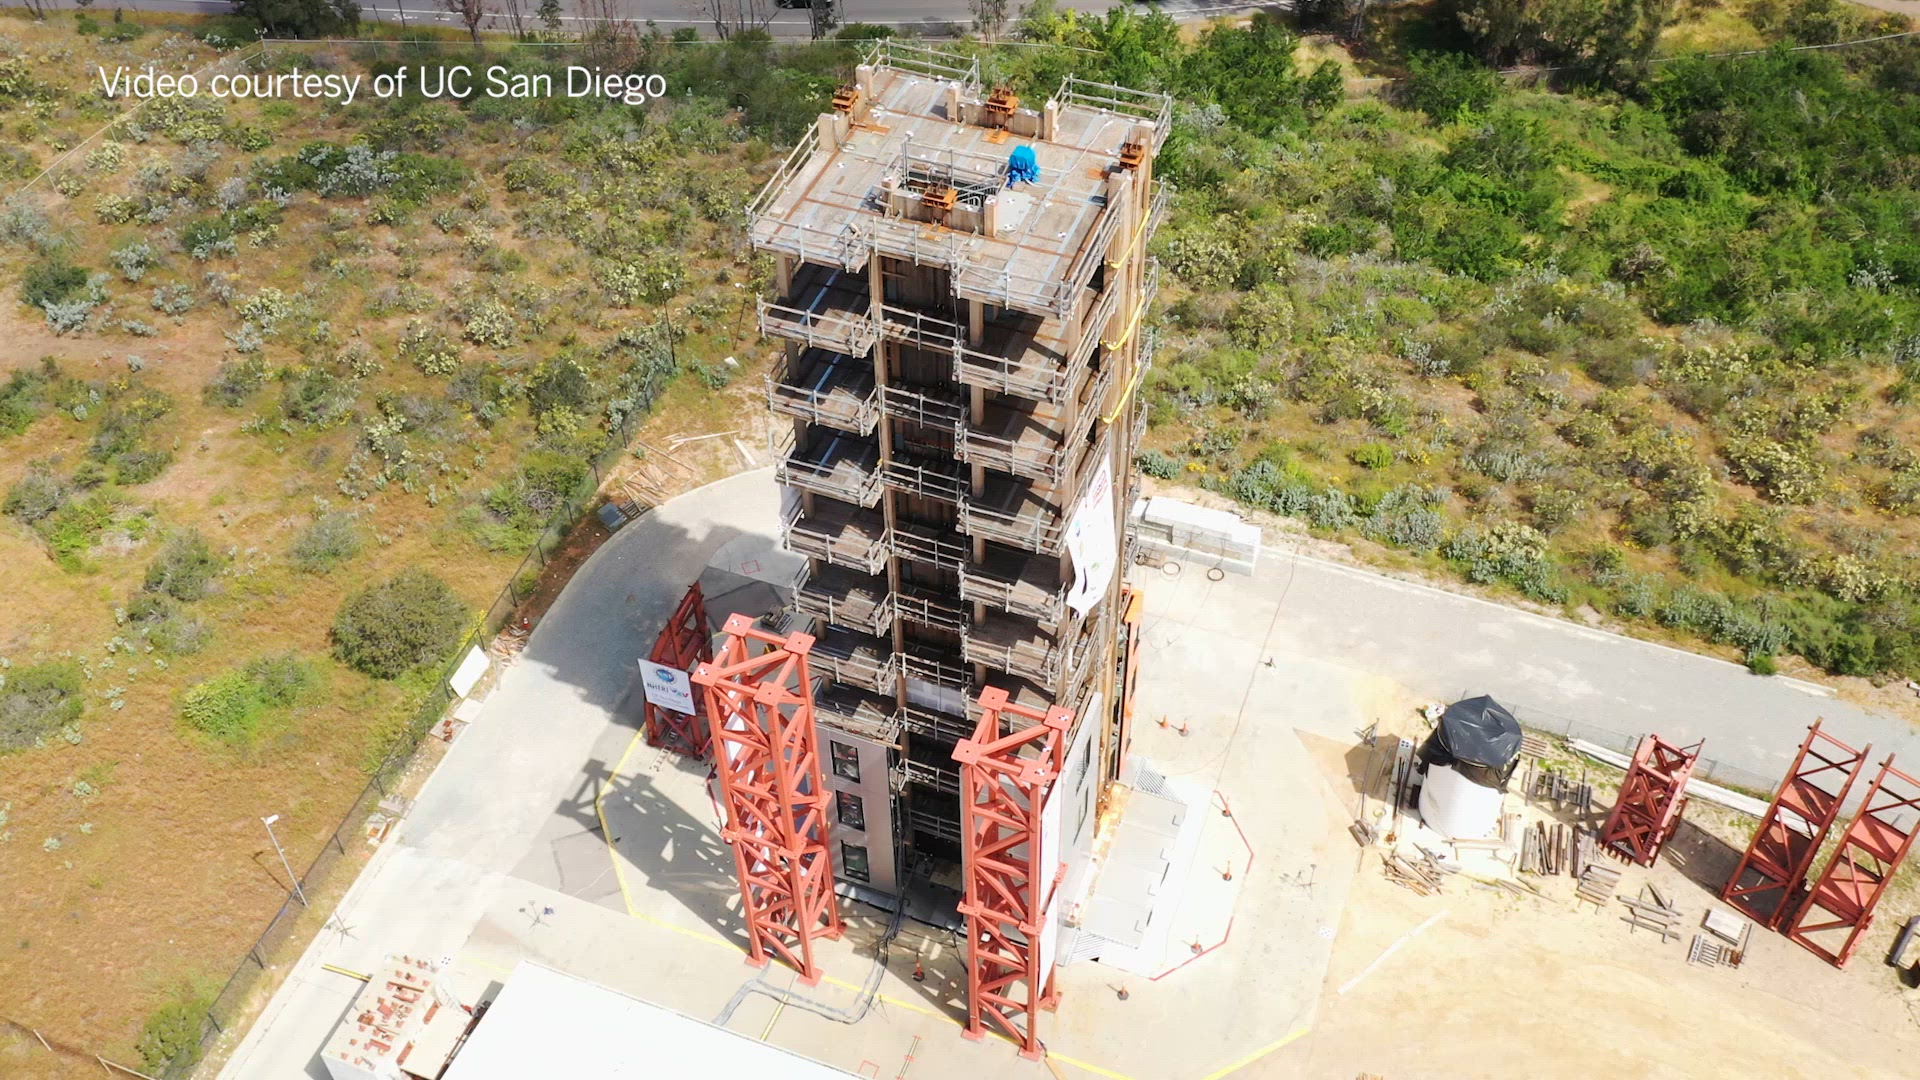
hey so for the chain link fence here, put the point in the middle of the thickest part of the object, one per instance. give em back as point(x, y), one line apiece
point(652, 363)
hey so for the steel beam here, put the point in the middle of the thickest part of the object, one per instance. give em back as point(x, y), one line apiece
point(1871, 850)
point(1652, 798)
point(685, 642)
point(1795, 825)
point(1005, 779)
point(767, 757)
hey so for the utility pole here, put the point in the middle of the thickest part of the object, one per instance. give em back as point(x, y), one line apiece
point(268, 822)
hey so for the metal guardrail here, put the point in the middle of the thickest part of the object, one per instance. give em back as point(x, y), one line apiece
point(858, 415)
point(932, 63)
point(841, 332)
point(928, 545)
point(989, 587)
point(935, 478)
point(1034, 530)
point(1154, 108)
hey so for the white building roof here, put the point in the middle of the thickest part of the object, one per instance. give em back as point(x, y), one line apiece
point(545, 1023)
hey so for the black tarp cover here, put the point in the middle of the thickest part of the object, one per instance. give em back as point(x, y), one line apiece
point(1479, 738)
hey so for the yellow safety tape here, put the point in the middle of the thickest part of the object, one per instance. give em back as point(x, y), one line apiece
point(338, 970)
point(1258, 1054)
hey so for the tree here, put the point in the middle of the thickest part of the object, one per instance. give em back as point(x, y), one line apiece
point(517, 19)
point(989, 17)
point(301, 18)
point(472, 13)
point(733, 17)
point(549, 13)
point(1602, 38)
point(409, 621)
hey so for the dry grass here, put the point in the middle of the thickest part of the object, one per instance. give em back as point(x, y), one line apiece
point(165, 874)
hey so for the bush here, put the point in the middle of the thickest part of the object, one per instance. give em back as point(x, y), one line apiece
point(51, 281)
point(325, 544)
point(37, 494)
point(1158, 465)
point(411, 620)
point(235, 382)
point(172, 631)
point(171, 1038)
point(230, 706)
point(185, 569)
point(1445, 85)
point(1372, 456)
point(37, 701)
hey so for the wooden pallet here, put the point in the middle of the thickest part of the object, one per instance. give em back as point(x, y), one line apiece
point(1597, 883)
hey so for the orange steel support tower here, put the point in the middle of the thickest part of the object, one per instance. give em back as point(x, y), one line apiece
point(684, 642)
point(1652, 798)
point(760, 706)
point(1005, 778)
point(1870, 851)
point(1795, 825)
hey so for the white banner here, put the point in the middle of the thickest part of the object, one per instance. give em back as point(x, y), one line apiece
point(1091, 543)
point(668, 688)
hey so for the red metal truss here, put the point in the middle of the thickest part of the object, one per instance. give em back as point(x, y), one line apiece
point(767, 755)
point(1005, 778)
point(684, 642)
point(1652, 798)
point(1870, 851)
point(1795, 825)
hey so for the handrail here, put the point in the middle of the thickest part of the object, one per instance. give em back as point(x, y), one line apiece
point(788, 167)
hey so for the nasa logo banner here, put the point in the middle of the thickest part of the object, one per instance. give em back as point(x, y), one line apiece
point(668, 688)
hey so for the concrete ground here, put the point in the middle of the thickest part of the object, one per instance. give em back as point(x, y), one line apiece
point(505, 855)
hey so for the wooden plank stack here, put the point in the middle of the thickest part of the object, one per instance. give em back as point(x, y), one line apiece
point(1651, 911)
point(1553, 849)
point(1597, 882)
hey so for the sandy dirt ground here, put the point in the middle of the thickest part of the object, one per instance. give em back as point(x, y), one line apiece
point(1482, 984)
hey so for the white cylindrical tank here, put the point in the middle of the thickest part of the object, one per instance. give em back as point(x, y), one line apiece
point(1456, 807)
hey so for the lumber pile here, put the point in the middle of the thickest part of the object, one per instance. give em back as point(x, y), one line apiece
point(1597, 882)
point(1552, 849)
point(1423, 875)
point(1652, 911)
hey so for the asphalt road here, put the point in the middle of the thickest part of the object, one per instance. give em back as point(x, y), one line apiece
point(933, 17)
point(1310, 616)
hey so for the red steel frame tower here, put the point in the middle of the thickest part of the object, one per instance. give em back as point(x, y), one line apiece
point(1005, 778)
point(760, 708)
point(1652, 798)
point(1871, 849)
point(684, 642)
point(1795, 825)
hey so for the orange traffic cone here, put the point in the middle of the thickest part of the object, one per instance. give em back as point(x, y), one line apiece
point(919, 971)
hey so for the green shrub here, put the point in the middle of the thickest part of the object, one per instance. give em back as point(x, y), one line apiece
point(50, 281)
point(171, 630)
point(1158, 465)
point(37, 494)
point(1445, 85)
point(37, 701)
point(23, 399)
point(409, 621)
point(235, 382)
point(331, 540)
point(170, 1040)
point(1372, 456)
point(186, 568)
point(231, 706)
